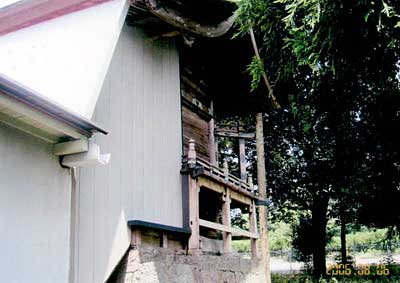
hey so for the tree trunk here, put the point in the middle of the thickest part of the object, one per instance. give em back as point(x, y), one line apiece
point(343, 249)
point(262, 189)
point(319, 221)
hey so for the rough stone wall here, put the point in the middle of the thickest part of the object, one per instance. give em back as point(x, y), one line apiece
point(157, 265)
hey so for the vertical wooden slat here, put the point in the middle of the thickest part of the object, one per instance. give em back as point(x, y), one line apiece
point(226, 220)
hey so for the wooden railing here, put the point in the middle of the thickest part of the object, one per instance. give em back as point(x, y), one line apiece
point(207, 176)
point(218, 172)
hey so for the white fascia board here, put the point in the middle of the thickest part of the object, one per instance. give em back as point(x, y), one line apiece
point(26, 119)
point(66, 59)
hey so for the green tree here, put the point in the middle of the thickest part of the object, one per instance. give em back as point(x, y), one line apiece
point(332, 149)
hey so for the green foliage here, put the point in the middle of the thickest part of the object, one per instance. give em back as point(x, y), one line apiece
point(241, 246)
point(366, 237)
point(332, 151)
point(280, 236)
point(255, 69)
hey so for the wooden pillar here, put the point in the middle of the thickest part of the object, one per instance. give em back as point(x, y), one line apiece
point(226, 220)
point(242, 159)
point(194, 240)
point(253, 227)
point(212, 145)
point(193, 192)
point(262, 190)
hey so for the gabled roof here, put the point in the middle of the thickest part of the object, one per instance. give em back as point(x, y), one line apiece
point(25, 13)
point(66, 58)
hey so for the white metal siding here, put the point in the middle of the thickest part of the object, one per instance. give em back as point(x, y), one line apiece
point(34, 211)
point(140, 107)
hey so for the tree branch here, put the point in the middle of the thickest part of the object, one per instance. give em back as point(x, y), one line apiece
point(271, 95)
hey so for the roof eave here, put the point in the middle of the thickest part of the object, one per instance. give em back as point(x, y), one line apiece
point(52, 110)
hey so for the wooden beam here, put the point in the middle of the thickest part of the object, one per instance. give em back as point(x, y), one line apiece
point(226, 221)
point(208, 184)
point(211, 181)
point(233, 231)
point(218, 188)
point(221, 133)
point(240, 198)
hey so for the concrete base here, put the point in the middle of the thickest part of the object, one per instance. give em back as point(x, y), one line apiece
point(157, 265)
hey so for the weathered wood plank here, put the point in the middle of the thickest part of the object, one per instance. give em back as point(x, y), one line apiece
point(196, 128)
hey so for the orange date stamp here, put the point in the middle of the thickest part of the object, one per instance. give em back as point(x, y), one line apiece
point(358, 270)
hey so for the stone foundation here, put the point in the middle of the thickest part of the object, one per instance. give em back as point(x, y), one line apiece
point(158, 265)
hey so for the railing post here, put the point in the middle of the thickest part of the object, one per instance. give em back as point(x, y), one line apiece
point(194, 240)
point(253, 228)
point(226, 220)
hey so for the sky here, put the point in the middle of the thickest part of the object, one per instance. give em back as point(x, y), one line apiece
point(4, 3)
